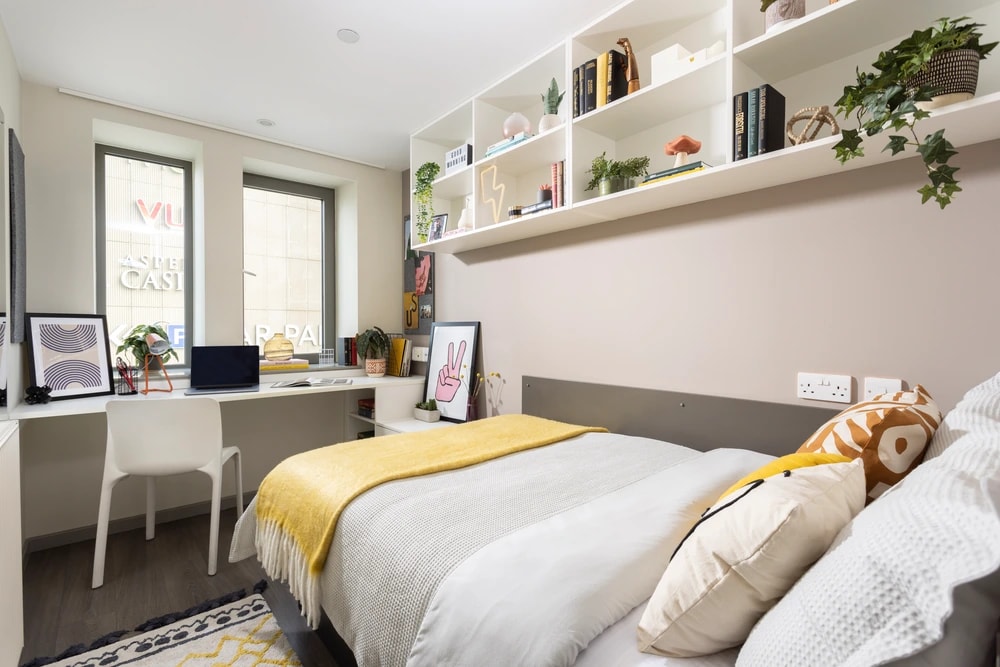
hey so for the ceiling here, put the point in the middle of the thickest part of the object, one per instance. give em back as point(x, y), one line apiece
point(229, 63)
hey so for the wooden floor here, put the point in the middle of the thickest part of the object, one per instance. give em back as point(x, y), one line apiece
point(143, 580)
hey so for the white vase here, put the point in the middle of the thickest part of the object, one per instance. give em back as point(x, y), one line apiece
point(549, 121)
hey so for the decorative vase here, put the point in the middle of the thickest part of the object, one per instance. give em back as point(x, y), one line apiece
point(374, 368)
point(426, 415)
point(781, 11)
point(955, 75)
point(471, 411)
point(278, 348)
point(516, 123)
point(549, 121)
point(464, 222)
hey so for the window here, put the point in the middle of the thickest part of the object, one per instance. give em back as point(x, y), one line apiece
point(143, 206)
point(288, 234)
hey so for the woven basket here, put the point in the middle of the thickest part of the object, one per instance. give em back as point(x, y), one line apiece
point(950, 73)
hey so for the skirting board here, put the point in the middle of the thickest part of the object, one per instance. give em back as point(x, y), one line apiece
point(694, 420)
point(85, 533)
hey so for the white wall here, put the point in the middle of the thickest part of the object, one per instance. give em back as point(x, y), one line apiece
point(63, 457)
point(846, 274)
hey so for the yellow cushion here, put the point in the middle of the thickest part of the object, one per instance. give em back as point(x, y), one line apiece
point(889, 433)
point(787, 462)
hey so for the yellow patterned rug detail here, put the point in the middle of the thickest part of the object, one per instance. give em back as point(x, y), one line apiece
point(238, 634)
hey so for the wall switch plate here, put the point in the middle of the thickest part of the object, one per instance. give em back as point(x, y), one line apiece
point(876, 386)
point(824, 387)
point(419, 353)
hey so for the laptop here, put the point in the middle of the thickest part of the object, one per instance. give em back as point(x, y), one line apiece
point(224, 369)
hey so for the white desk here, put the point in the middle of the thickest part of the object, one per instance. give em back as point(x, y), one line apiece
point(394, 396)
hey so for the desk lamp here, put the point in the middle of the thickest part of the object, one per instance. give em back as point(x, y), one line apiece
point(157, 348)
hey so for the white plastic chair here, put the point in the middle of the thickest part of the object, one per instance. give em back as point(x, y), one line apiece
point(155, 437)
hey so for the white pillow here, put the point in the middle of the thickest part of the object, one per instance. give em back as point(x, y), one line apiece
point(977, 412)
point(888, 584)
point(745, 554)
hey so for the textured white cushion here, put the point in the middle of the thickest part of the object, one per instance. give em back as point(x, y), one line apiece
point(977, 412)
point(884, 590)
point(739, 561)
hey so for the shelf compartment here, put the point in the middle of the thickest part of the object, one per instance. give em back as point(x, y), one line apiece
point(700, 87)
point(633, 20)
point(839, 30)
point(966, 123)
point(454, 185)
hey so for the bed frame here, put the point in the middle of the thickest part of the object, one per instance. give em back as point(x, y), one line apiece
point(693, 420)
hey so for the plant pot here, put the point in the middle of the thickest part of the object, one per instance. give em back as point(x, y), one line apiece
point(608, 186)
point(549, 121)
point(375, 368)
point(955, 75)
point(781, 12)
point(426, 415)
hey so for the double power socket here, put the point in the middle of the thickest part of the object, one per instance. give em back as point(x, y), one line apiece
point(839, 388)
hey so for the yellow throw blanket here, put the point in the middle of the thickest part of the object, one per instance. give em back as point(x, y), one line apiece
point(299, 502)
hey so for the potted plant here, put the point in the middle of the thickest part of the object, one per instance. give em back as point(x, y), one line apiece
point(137, 345)
point(373, 346)
point(551, 99)
point(427, 411)
point(615, 175)
point(424, 197)
point(897, 97)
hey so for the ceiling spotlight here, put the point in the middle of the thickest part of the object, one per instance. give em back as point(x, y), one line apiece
point(348, 36)
point(265, 122)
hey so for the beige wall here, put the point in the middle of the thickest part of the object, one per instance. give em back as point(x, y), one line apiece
point(847, 274)
point(63, 458)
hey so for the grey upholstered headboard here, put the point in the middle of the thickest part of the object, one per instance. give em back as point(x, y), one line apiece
point(693, 420)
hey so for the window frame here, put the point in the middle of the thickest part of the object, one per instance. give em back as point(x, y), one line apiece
point(101, 151)
point(328, 310)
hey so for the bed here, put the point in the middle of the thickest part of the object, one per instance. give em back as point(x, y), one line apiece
point(550, 555)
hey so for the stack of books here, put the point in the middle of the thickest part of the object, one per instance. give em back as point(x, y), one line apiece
point(501, 146)
point(673, 172)
point(292, 364)
point(758, 122)
point(400, 353)
point(366, 407)
point(599, 81)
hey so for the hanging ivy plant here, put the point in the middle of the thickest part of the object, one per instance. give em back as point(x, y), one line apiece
point(424, 197)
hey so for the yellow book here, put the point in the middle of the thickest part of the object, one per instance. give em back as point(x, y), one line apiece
point(669, 176)
point(394, 364)
point(602, 77)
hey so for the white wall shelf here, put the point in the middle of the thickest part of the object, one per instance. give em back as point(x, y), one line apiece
point(809, 61)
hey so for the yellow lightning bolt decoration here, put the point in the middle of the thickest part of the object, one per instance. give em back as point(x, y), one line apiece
point(492, 190)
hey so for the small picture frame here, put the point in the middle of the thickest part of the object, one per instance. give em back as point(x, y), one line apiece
point(71, 354)
point(451, 368)
point(439, 224)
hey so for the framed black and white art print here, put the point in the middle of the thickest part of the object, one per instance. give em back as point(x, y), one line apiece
point(451, 368)
point(70, 354)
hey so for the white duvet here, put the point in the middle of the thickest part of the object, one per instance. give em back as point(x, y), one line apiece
point(537, 592)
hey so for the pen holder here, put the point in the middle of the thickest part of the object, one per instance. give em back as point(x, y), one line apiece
point(127, 379)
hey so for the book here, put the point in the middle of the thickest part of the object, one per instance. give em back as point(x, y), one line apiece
point(576, 92)
point(561, 173)
point(739, 126)
point(676, 170)
point(407, 356)
point(311, 382)
point(770, 120)
point(602, 77)
point(580, 93)
point(590, 86)
point(669, 176)
point(616, 82)
point(501, 146)
point(535, 208)
point(753, 106)
point(394, 364)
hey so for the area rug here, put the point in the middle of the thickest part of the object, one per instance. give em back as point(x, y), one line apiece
point(238, 630)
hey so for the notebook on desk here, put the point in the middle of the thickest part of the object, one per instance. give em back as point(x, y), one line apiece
point(224, 369)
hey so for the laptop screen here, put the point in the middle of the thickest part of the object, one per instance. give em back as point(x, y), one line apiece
point(220, 366)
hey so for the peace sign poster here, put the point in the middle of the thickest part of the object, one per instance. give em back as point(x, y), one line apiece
point(451, 368)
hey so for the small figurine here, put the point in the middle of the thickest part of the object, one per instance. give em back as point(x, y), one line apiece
point(682, 146)
point(631, 69)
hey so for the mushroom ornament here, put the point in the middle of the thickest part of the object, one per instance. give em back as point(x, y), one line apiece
point(682, 146)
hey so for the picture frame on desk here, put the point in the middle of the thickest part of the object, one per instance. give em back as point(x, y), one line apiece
point(69, 353)
point(451, 368)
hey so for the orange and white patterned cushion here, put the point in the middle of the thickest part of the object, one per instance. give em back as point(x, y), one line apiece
point(889, 433)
